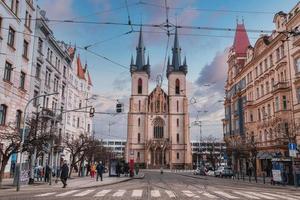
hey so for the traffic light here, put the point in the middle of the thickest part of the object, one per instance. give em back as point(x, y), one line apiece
point(119, 107)
point(92, 112)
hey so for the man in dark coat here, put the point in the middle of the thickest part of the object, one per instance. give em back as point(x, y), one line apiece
point(100, 170)
point(47, 173)
point(64, 174)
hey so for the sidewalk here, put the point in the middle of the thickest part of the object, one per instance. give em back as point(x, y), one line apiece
point(73, 182)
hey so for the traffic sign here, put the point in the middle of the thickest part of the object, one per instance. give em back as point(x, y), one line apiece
point(292, 150)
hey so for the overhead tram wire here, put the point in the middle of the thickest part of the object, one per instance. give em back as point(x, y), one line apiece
point(128, 15)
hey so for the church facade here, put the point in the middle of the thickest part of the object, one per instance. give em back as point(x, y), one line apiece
point(158, 122)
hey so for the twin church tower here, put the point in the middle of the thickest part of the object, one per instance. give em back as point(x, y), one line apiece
point(158, 123)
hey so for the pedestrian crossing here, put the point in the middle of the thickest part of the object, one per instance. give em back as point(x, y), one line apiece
point(160, 193)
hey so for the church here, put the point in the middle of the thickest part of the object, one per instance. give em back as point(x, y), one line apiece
point(158, 122)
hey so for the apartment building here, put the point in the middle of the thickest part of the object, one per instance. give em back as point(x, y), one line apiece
point(16, 43)
point(116, 146)
point(262, 96)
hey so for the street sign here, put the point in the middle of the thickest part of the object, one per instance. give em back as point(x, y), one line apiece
point(276, 175)
point(292, 150)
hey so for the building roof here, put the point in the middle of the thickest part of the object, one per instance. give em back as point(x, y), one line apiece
point(89, 79)
point(241, 40)
point(71, 52)
point(80, 70)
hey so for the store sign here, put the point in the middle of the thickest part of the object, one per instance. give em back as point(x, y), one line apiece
point(276, 175)
point(292, 150)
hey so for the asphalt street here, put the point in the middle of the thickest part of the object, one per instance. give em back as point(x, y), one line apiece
point(161, 186)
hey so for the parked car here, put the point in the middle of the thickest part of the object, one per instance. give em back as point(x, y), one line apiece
point(200, 171)
point(210, 173)
point(224, 171)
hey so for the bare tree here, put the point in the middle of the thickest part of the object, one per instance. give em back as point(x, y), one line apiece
point(213, 156)
point(10, 140)
point(77, 148)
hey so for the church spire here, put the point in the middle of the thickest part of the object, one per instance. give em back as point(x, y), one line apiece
point(140, 52)
point(176, 60)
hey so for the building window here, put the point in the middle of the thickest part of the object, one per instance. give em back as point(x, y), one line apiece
point(177, 137)
point(35, 101)
point(22, 80)
point(138, 155)
point(140, 86)
point(277, 54)
point(257, 93)
point(18, 118)
point(11, 37)
point(3, 111)
point(38, 71)
point(40, 45)
point(139, 122)
point(177, 86)
point(139, 138)
point(158, 124)
point(64, 71)
point(1, 19)
point(298, 95)
point(258, 114)
point(177, 122)
point(284, 102)
point(7, 71)
point(262, 90)
point(177, 106)
point(297, 65)
point(276, 104)
point(78, 121)
point(269, 110)
point(267, 87)
point(271, 60)
point(177, 156)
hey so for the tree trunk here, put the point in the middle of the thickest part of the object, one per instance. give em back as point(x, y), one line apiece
point(2, 169)
point(71, 167)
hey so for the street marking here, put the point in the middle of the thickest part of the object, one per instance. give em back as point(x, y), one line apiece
point(211, 196)
point(46, 194)
point(295, 196)
point(170, 193)
point(155, 193)
point(137, 193)
point(81, 194)
point(226, 195)
point(119, 193)
point(259, 195)
point(246, 195)
point(102, 193)
point(280, 196)
point(189, 193)
point(66, 193)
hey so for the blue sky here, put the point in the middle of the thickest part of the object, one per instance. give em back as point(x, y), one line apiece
point(204, 49)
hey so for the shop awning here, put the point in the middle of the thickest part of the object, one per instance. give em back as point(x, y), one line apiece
point(262, 155)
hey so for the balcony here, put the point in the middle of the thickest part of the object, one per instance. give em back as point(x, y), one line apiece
point(249, 103)
point(47, 114)
point(280, 86)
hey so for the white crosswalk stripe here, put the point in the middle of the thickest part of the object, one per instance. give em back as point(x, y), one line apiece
point(170, 193)
point(45, 194)
point(260, 195)
point(285, 197)
point(295, 196)
point(119, 193)
point(102, 193)
point(155, 193)
point(137, 193)
point(189, 194)
point(208, 195)
point(246, 195)
point(81, 194)
point(226, 195)
point(67, 193)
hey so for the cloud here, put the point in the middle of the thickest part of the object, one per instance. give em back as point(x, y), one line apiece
point(56, 10)
point(121, 82)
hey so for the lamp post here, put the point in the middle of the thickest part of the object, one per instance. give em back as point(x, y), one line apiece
point(23, 135)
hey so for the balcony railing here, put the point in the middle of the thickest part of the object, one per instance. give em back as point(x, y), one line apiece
point(280, 86)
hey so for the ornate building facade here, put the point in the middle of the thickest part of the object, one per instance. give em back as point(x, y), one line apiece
point(262, 96)
point(158, 123)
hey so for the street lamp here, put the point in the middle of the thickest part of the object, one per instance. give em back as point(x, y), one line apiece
point(23, 134)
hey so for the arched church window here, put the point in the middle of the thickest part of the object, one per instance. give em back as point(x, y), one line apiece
point(139, 137)
point(140, 86)
point(158, 128)
point(177, 122)
point(177, 86)
point(151, 106)
point(139, 122)
point(157, 106)
point(177, 106)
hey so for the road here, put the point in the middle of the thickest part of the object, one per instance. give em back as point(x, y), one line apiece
point(165, 186)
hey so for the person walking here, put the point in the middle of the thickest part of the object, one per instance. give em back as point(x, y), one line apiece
point(100, 169)
point(93, 170)
point(47, 173)
point(64, 174)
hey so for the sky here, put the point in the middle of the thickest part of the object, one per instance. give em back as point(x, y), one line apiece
point(205, 50)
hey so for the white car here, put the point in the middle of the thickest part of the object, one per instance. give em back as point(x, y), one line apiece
point(224, 171)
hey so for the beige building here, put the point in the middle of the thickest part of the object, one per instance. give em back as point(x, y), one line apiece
point(158, 133)
point(262, 96)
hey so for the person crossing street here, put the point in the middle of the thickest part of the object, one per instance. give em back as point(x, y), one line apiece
point(64, 174)
point(100, 169)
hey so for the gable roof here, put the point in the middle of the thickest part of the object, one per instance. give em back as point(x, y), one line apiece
point(80, 70)
point(89, 79)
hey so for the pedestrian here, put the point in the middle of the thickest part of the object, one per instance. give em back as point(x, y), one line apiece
point(64, 174)
point(93, 170)
point(100, 170)
point(47, 173)
point(88, 169)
